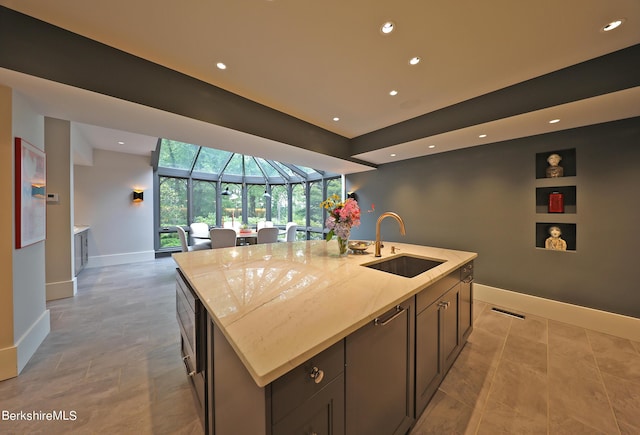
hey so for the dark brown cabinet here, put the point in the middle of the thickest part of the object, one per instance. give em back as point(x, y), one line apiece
point(191, 322)
point(310, 398)
point(444, 321)
point(307, 400)
point(380, 374)
point(321, 414)
point(449, 305)
point(429, 367)
point(466, 301)
point(81, 250)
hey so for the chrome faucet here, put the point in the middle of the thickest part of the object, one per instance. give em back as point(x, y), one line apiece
point(380, 219)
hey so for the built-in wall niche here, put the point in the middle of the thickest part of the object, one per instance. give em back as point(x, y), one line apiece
point(568, 234)
point(556, 199)
point(567, 163)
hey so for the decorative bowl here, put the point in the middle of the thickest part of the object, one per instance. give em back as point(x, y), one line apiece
point(359, 246)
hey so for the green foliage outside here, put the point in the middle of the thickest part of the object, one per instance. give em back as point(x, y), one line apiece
point(173, 201)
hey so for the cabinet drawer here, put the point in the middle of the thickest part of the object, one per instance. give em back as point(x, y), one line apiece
point(325, 414)
point(292, 389)
point(196, 379)
point(182, 286)
point(434, 291)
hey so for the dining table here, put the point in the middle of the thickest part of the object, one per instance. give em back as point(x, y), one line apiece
point(246, 237)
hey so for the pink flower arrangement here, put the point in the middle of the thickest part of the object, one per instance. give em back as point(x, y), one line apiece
point(342, 216)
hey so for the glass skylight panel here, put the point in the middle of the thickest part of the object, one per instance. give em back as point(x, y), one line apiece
point(286, 170)
point(211, 160)
point(235, 165)
point(268, 169)
point(251, 168)
point(305, 169)
point(177, 155)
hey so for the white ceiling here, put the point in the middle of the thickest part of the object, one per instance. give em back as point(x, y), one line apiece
point(316, 60)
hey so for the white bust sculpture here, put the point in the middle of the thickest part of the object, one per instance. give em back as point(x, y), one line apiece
point(554, 170)
point(555, 242)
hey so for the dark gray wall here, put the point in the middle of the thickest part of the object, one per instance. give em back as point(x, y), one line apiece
point(483, 199)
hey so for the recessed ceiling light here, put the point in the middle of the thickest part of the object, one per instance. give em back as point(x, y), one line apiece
point(393, 93)
point(387, 27)
point(414, 60)
point(221, 65)
point(612, 25)
point(335, 118)
point(482, 135)
point(392, 155)
point(432, 146)
point(554, 121)
point(120, 142)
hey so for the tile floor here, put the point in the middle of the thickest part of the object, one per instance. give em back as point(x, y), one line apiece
point(112, 357)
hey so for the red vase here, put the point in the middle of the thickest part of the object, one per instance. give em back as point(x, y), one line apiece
point(556, 202)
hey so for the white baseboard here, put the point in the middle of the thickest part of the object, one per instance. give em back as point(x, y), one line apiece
point(32, 339)
point(589, 318)
point(115, 259)
point(61, 290)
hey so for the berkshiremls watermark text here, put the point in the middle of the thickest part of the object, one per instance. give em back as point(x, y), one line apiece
point(59, 415)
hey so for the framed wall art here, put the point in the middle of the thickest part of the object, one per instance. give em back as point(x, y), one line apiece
point(31, 198)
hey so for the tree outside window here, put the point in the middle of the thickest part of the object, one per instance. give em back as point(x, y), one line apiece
point(299, 204)
point(280, 205)
point(203, 200)
point(256, 204)
point(315, 210)
point(173, 208)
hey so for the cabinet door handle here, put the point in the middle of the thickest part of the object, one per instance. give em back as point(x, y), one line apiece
point(379, 322)
point(444, 304)
point(317, 375)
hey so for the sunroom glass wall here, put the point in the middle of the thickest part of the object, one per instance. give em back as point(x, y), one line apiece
point(193, 181)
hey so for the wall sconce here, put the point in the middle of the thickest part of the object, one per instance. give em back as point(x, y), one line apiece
point(353, 195)
point(138, 195)
point(38, 191)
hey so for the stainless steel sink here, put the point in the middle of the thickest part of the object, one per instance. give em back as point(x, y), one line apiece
point(405, 265)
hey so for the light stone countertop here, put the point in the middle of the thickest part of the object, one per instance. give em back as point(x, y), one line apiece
point(77, 229)
point(280, 304)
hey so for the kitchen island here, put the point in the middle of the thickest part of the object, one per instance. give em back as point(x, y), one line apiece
point(272, 308)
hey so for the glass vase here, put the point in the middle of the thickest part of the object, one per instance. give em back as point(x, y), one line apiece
point(342, 246)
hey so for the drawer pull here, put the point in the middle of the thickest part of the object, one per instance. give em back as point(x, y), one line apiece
point(186, 366)
point(468, 279)
point(317, 375)
point(378, 322)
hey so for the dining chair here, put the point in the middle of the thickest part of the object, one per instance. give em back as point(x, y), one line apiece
point(182, 235)
point(268, 235)
point(223, 237)
point(264, 224)
point(199, 232)
point(290, 232)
